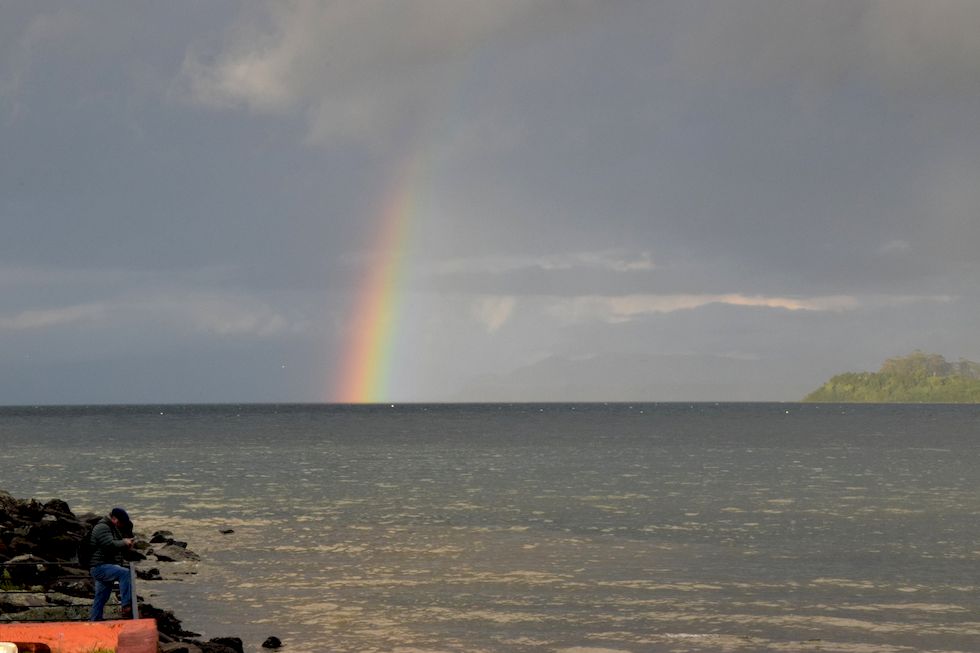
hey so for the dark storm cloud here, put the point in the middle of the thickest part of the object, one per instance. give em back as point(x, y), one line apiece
point(755, 190)
point(103, 166)
point(778, 142)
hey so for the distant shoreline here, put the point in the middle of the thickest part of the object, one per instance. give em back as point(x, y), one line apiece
point(918, 378)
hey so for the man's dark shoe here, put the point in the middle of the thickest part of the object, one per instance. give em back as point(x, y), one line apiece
point(126, 612)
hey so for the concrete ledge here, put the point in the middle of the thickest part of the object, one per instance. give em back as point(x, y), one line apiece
point(123, 636)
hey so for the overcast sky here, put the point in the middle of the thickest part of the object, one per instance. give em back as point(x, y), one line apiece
point(613, 200)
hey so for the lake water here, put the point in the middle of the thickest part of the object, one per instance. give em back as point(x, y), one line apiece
point(574, 528)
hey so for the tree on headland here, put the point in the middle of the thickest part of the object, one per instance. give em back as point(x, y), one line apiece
point(916, 378)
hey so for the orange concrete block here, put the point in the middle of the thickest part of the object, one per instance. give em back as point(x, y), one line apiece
point(129, 636)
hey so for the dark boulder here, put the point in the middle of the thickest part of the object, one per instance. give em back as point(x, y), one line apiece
point(58, 507)
point(6, 534)
point(30, 511)
point(214, 647)
point(89, 518)
point(53, 525)
point(272, 642)
point(167, 622)
point(20, 545)
point(78, 586)
point(28, 570)
point(132, 555)
point(177, 647)
point(7, 501)
point(159, 537)
point(149, 574)
point(14, 602)
point(59, 547)
point(233, 643)
point(173, 553)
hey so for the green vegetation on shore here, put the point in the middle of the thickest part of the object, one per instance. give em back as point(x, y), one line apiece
point(916, 378)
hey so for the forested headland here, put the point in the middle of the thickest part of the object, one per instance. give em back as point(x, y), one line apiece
point(916, 378)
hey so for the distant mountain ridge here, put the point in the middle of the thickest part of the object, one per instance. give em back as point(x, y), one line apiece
point(916, 378)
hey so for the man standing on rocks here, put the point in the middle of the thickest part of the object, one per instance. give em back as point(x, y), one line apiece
point(110, 537)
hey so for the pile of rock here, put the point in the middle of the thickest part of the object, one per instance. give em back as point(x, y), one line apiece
point(40, 579)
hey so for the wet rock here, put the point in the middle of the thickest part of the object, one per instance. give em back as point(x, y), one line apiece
point(226, 531)
point(214, 647)
point(89, 518)
point(58, 598)
point(48, 613)
point(20, 545)
point(50, 525)
point(233, 643)
point(58, 547)
point(78, 586)
point(178, 647)
point(57, 506)
point(160, 537)
point(174, 553)
point(149, 574)
point(132, 555)
point(30, 511)
point(272, 642)
point(21, 601)
point(167, 622)
point(6, 501)
point(27, 570)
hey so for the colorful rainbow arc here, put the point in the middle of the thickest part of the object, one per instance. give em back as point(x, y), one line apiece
point(365, 374)
point(365, 371)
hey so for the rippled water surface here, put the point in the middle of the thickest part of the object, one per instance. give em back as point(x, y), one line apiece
point(576, 528)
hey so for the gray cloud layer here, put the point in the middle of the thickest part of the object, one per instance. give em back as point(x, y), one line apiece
point(661, 200)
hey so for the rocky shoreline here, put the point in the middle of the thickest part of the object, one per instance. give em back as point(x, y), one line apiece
point(40, 579)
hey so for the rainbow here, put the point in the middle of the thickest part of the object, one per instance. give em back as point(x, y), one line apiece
point(365, 371)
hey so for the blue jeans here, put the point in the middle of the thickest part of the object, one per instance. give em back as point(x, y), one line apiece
point(105, 576)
